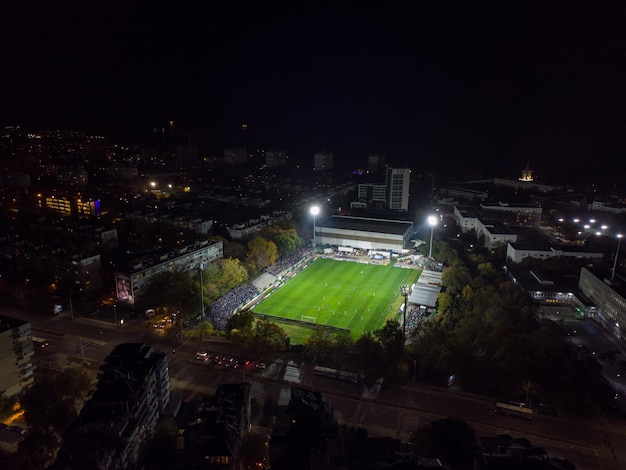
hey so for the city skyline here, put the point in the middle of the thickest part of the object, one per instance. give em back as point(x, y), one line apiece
point(487, 87)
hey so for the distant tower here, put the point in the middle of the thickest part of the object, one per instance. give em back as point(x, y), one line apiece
point(323, 161)
point(398, 180)
point(275, 158)
point(375, 163)
point(527, 174)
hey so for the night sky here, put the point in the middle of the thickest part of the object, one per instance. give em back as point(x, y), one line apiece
point(487, 86)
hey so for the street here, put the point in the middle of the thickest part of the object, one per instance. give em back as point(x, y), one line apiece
point(385, 411)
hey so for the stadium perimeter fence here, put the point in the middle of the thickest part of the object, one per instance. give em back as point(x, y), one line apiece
point(308, 324)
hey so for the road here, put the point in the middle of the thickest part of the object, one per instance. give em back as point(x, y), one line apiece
point(387, 411)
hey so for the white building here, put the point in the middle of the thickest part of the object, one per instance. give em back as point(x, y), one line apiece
point(398, 180)
point(253, 226)
point(517, 252)
point(608, 293)
point(364, 233)
point(130, 285)
point(494, 231)
point(371, 192)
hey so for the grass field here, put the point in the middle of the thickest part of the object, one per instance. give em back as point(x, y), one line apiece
point(358, 297)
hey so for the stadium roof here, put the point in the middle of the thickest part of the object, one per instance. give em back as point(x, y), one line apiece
point(426, 289)
point(365, 224)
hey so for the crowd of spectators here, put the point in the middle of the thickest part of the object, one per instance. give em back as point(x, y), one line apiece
point(224, 307)
point(287, 262)
point(414, 318)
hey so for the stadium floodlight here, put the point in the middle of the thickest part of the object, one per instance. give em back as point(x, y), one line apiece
point(619, 239)
point(314, 211)
point(405, 290)
point(432, 221)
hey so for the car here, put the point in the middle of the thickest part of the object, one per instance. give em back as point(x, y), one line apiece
point(202, 356)
point(17, 429)
point(160, 324)
point(260, 365)
point(572, 333)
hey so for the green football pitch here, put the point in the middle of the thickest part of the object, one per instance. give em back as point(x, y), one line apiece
point(355, 296)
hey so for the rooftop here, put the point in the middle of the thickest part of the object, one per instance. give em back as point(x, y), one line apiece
point(398, 227)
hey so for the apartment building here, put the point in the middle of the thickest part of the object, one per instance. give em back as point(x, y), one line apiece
point(16, 352)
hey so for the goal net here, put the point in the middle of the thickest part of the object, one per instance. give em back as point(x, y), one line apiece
point(308, 319)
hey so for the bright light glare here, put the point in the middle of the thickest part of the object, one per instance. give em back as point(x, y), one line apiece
point(315, 210)
point(432, 220)
point(576, 221)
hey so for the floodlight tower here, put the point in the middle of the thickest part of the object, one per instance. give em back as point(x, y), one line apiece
point(432, 221)
point(619, 239)
point(405, 290)
point(314, 211)
point(201, 291)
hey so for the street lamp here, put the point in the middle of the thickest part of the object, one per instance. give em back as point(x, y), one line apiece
point(432, 221)
point(115, 314)
point(201, 288)
point(314, 211)
point(619, 239)
point(405, 290)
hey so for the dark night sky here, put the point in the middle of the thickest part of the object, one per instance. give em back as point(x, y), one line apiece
point(485, 85)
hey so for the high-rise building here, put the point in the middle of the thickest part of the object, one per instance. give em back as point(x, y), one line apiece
point(117, 424)
point(375, 163)
point(398, 180)
point(323, 161)
point(372, 193)
point(235, 156)
point(16, 351)
point(275, 158)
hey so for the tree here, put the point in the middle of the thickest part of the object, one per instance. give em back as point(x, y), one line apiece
point(319, 345)
point(262, 253)
point(392, 339)
point(38, 449)
point(6, 405)
point(369, 358)
point(173, 290)
point(239, 328)
point(445, 302)
point(232, 273)
point(235, 250)
point(54, 401)
point(455, 278)
point(269, 338)
point(253, 450)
